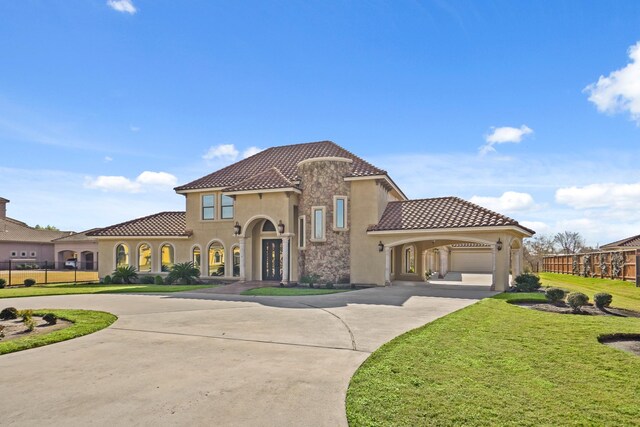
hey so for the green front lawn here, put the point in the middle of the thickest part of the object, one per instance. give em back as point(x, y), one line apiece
point(69, 289)
point(288, 292)
point(493, 363)
point(625, 294)
point(84, 322)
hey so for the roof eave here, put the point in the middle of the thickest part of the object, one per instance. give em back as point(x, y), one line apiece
point(519, 228)
point(265, 190)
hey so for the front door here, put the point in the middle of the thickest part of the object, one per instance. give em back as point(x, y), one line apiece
point(272, 259)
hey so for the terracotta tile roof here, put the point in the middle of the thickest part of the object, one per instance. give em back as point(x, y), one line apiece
point(12, 230)
point(285, 158)
point(270, 179)
point(170, 224)
point(441, 212)
point(629, 242)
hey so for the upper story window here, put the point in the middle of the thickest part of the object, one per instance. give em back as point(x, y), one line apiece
point(301, 232)
point(226, 204)
point(209, 206)
point(340, 212)
point(317, 222)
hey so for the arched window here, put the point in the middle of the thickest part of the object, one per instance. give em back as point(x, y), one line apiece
point(409, 259)
point(166, 257)
point(216, 259)
point(236, 261)
point(144, 257)
point(196, 257)
point(122, 255)
point(268, 226)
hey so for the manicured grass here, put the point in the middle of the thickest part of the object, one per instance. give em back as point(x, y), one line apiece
point(625, 294)
point(493, 363)
point(282, 292)
point(84, 322)
point(69, 289)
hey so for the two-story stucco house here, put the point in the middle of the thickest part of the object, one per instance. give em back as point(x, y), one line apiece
point(314, 209)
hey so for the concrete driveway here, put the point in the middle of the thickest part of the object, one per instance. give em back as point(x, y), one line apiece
point(201, 358)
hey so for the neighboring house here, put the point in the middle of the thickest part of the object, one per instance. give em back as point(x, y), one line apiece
point(315, 209)
point(632, 242)
point(21, 244)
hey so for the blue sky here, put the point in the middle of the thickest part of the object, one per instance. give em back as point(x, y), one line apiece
point(529, 108)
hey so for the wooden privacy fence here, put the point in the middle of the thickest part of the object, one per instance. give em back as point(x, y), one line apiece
point(620, 265)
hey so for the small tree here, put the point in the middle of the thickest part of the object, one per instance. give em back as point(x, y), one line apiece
point(126, 274)
point(602, 300)
point(570, 242)
point(576, 300)
point(554, 295)
point(184, 272)
point(527, 282)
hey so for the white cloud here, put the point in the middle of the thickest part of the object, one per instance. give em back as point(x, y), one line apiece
point(510, 201)
point(622, 196)
point(538, 226)
point(108, 159)
point(620, 91)
point(503, 135)
point(124, 6)
point(226, 152)
point(134, 128)
point(145, 180)
point(251, 151)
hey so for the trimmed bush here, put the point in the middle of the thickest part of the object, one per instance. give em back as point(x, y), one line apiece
point(602, 299)
point(3, 283)
point(527, 283)
point(30, 324)
point(107, 280)
point(25, 314)
point(9, 313)
point(147, 280)
point(126, 274)
point(50, 318)
point(29, 282)
point(554, 295)
point(158, 280)
point(329, 286)
point(576, 300)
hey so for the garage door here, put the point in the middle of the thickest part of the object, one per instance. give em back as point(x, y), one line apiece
point(472, 261)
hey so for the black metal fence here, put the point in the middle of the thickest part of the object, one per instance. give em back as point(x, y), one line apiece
point(16, 272)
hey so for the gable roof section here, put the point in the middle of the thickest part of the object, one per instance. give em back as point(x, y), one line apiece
point(82, 236)
point(169, 224)
point(629, 242)
point(285, 158)
point(270, 179)
point(12, 230)
point(441, 212)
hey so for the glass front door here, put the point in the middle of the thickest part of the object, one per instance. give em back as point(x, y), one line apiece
point(272, 259)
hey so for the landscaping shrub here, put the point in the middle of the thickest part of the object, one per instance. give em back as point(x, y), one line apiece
point(527, 283)
point(116, 280)
point(602, 299)
point(107, 280)
point(3, 283)
point(577, 300)
point(50, 318)
point(29, 282)
point(158, 280)
point(329, 285)
point(147, 280)
point(25, 314)
point(554, 295)
point(185, 273)
point(1, 332)
point(30, 324)
point(9, 313)
point(126, 274)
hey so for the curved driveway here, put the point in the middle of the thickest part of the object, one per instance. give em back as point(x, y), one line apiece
point(199, 358)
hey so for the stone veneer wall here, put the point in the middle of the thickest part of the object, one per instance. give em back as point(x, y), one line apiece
point(320, 181)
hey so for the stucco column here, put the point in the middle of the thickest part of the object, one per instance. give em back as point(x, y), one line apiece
point(517, 263)
point(502, 269)
point(493, 266)
point(387, 265)
point(285, 260)
point(241, 246)
point(444, 261)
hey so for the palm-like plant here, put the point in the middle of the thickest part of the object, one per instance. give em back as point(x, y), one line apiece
point(184, 272)
point(126, 274)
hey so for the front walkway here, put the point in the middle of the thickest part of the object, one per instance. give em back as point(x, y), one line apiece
point(208, 359)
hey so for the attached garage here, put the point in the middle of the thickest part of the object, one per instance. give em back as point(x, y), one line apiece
point(471, 260)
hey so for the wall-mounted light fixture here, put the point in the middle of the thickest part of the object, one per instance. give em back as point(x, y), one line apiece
point(237, 229)
point(280, 227)
point(380, 246)
point(499, 244)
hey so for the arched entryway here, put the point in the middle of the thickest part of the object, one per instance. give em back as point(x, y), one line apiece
point(263, 251)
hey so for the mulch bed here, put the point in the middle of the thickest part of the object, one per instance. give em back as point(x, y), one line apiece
point(563, 308)
point(14, 329)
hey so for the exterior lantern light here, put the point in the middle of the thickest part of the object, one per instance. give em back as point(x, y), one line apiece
point(499, 244)
point(237, 229)
point(380, 246)
point(280, 227)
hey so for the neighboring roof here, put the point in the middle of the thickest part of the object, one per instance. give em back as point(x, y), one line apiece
point(285, 158)
point(441, 212)
point(629, 242)
point(170, 224)
point(270, 179)
point(3, 200)
point(78, 237)
point(12, 230)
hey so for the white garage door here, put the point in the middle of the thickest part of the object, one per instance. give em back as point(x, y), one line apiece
point(472, 261)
